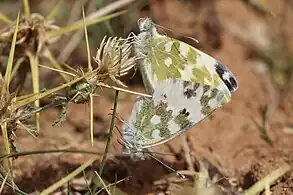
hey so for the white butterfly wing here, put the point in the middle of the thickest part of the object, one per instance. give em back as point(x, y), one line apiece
point(163, 57)
point(175, 107)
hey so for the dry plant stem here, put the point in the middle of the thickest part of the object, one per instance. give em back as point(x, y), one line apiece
point(109, 8)
point(268, 180)
point(124, 90)
point(109, 185)
point(4, 19)
point(90, 68)
point(15, 189)
point(57, 70)
point(54, 62)
point(53, 12)
point(48, 151)
point(112, 125)
point(92, 118)
point(64, 180)
point(103, 183)
point(11, 54)
point(3, 182)
point(110, 133)
point(86, 182)
point(26, 7)
point(75, 39)
point(75, 13)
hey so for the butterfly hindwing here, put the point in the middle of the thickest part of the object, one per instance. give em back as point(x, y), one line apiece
point(176, 106)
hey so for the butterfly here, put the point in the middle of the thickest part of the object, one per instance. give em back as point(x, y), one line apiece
point(186, 85)
point(174, 107)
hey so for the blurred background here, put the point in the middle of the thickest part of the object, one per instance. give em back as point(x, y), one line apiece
point(246, 139)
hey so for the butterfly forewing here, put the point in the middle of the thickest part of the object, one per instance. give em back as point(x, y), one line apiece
point(164, 57)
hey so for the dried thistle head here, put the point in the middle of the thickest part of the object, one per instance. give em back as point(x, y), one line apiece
point(12, 116)
point(7, 112)
point(31, 34)
point(114, 59)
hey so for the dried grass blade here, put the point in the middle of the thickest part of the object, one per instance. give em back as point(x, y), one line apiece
point(54, 62)
point(92, 119)
point(112, 125)
point(79, 25)
point(87, 42)
point(3, 183)
point(11, 54)
point(4, 18)
point(6, 144)
point(46, 93)
point(103, 183)
point(69, 177)
point(34, 61)
point(16, 67)
point(53, 12)
point(26, 7)
point(268, 180)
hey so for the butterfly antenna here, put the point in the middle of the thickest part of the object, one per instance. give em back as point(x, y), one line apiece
point(189, 37)
point(168, 167)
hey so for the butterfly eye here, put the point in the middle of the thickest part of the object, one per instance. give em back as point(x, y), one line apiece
point(187, 114)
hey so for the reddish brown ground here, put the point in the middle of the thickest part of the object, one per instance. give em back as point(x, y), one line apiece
point(229, 139)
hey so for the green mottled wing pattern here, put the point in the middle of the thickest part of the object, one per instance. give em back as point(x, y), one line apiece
point(175, 107)
point(163, 57)
point(187, 85)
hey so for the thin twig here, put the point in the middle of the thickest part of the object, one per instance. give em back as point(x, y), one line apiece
point(110, 132)
point(3, 182)
point(111, 184)
point(46, 152)
point(103, 183)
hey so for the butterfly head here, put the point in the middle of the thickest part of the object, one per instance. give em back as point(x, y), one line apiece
point(145, 24)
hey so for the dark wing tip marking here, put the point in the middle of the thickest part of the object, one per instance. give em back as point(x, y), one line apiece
point(231, 81)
